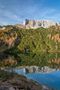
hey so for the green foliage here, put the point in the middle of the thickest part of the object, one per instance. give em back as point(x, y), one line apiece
point(34, 45)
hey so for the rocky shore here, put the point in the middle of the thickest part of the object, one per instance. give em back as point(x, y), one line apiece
point(30, 69)
point(12, 81)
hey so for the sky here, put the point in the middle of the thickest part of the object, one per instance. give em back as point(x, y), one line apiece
point(16, 11)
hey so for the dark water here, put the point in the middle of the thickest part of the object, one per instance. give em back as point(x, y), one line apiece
point(51, 79)
point(42, 59)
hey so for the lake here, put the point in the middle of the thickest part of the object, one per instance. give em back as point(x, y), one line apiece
point(52, 79)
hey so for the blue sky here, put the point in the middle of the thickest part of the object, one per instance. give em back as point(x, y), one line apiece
point(16, 11)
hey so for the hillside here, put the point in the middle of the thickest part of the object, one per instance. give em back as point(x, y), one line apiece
point(28, 45)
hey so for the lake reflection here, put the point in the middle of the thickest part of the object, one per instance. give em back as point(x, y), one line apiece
point(51, 79)
point(42, 59)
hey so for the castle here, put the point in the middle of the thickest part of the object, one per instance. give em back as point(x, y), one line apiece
point(39, 23)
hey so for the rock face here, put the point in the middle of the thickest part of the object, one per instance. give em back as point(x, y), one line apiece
point(39, 23)
point(18, 82)
point(8, 38)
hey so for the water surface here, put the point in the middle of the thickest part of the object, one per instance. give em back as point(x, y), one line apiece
point(51, 79)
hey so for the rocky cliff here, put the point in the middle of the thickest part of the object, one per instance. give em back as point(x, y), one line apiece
point(8, 37)
point(39, 23)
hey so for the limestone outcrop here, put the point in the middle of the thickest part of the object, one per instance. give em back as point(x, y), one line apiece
point(39, 23)
point(8, 38)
